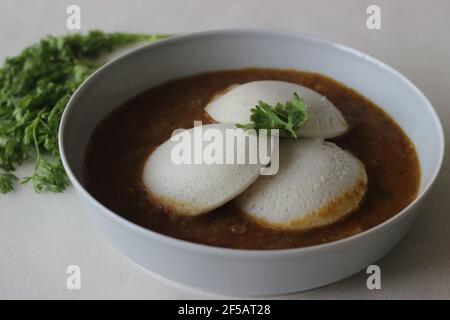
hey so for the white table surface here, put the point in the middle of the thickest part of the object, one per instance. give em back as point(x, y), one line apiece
point(41, 234)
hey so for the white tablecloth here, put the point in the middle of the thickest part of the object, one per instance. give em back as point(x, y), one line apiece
point(41, 234)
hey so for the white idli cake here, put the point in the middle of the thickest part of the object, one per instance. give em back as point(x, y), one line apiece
point(193, 189)
point(234, 105)
point(317, 184)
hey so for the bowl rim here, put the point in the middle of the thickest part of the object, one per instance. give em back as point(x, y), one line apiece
point(245, 253)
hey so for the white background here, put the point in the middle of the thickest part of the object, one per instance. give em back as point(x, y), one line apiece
point(41, 234)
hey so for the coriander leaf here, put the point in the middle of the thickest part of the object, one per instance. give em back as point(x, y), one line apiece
point(35, 87)
point(287, 117)
point(7, 181)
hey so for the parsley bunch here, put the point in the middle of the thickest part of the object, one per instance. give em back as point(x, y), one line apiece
point(35, 87)
point(286, 117)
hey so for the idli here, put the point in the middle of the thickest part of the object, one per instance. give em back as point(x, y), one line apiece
point(233, 106)
point(317, 184)
point(194, 187)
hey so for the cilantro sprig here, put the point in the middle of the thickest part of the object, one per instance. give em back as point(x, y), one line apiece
point(35, 87)
point(287, 117)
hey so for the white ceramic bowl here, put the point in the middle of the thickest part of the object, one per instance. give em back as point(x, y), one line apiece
point(247, 272)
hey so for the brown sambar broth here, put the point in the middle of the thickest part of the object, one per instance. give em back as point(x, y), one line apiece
point(122, 142)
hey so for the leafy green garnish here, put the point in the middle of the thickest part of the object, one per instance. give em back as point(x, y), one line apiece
point(287, 117)
point(7, 182)
point(35, 87)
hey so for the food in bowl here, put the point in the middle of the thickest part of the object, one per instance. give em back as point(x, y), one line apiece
point(235, 103)
point(257, 272)
point(189, 189)
point(123, 161)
